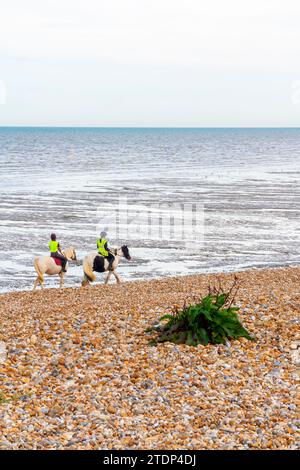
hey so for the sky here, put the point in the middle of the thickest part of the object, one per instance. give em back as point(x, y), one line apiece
point(127, 63)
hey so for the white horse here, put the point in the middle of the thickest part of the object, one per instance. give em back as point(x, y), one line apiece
point(46, 265)
point(95, 262)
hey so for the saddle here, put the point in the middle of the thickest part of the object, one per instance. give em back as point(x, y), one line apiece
point(98, 264)
point(57, 261)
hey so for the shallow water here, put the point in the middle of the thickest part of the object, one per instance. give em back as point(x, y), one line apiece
point(64, 180)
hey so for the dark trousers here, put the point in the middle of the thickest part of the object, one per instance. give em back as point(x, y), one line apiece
point(110, 258)
point(60, 256)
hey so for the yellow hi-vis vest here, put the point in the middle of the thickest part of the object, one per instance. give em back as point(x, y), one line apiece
point(53, 245)
point(100, 244)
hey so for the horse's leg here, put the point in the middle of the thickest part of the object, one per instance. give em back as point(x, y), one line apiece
point(61, 283)
point(107, 277)
point(117, 277)
point(85, 281)
point(36, 282)
point(40, 273)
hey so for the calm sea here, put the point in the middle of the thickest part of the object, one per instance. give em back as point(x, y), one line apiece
point(64, 179)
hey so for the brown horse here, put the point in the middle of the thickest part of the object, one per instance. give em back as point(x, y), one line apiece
point(46, 265)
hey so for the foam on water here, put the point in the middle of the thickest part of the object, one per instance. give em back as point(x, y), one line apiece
point(57, 179)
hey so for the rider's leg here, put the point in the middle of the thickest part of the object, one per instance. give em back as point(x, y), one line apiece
point(63, 264)
point(62, 258)
point(110, 258)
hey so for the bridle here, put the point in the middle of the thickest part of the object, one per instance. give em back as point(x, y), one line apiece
point(114, 251)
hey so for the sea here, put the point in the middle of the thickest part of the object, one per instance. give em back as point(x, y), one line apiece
point(184, 201)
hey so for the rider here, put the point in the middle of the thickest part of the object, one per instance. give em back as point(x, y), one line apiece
point(55, 252)
point(103, 249)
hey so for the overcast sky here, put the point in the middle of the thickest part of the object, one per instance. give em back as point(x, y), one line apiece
point(150, 63)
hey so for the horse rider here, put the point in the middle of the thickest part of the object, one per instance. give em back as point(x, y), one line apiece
point(55, 252)
point(103, 249)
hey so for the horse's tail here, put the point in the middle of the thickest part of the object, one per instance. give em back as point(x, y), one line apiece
point(88, 271)
point(38, 271)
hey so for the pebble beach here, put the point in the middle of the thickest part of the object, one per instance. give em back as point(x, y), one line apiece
point(77, 370)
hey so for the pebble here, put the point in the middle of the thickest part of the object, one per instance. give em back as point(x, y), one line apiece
point(3, 352)
point(79, 372)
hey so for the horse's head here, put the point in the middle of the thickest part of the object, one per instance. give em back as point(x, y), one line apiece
point(70, 253)
point(74, 256)
point(125, 252)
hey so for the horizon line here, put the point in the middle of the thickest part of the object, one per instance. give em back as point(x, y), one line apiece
point(143, 127)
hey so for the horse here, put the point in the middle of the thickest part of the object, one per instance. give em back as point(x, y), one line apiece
point(46, 265)
point(93, 261)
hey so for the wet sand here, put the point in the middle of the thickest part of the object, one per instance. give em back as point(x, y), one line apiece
point(79, 372)
point(245, 183)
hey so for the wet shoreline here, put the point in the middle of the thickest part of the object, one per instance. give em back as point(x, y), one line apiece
point(247, 182)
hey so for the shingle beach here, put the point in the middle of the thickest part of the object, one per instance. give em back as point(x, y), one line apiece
point(77, 370)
